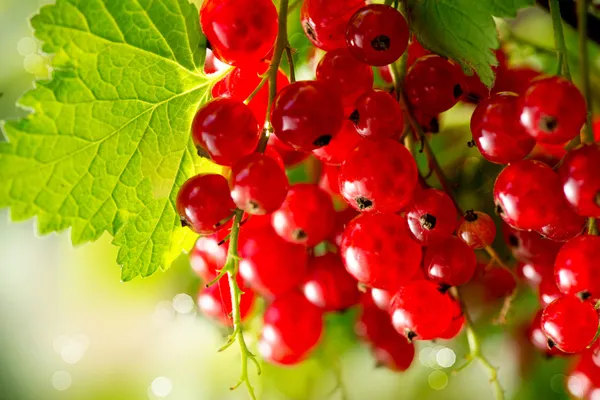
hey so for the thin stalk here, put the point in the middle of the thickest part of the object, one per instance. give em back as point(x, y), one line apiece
point(290, 60)
point(559, 39)
point(587, 135)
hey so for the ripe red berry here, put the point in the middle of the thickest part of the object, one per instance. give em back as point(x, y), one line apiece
point(208, 257)
point(497, 132)
point(378, 115)
point(341, 146)
point(329, 286)
point(420, 311)
point(377, 34)
point(415, 51)
point(292, 329)
point(240, 33)
point(516, 80)
point(431, 216)
point(325, 21)
point(537, 337)
point(204, 202)
point(307, 115)
point(378, 176)
point(474, 90)
point(394, 352)
point(533, 272)
point(581, 179)
point(433, 83)
point(450, 262)
point(458, 321)
point(564, 225)
point(498, 283)
point(576, 267)
point(378, 251)
point(258, 184)
point(289, 156)
point(215, 301)
point(381, 298)
point(530, 246)
point(583, 381)
point(342, 218)
point(270, 265)
point(527, 193)
point(328, 181)
point(306, 216)
point(547, 290)
point(570, 323)
point(553, 110)
point(347, 76)
point(225, 130)
point(477, 229)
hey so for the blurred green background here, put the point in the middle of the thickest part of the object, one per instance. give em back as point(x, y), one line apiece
point(70, 330)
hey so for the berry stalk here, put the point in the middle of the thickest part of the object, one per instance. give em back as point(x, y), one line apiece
point(559, 39)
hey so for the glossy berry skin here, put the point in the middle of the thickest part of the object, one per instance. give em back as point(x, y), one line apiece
point(458, 321)
point(379, 252)
point(329, 286)
point(377, 34)
point(378, 177)
point(576, 267)
point(450, 263)
point(203, 202)
point(476, 229)
point(497, 132)
point(570, 323)
point(533, 273)
point(431, 216)
point(530, 246)
point(306, 216)
point(342, 218)
point(433, 84)
point(258, 184)
point(378, 115)
point(215, 301)
point(498, 283)
point(548, 291)
point(270, 265)
point(341, 146)
point(289, 156)
point(325, 21)
point(292, 329)
point(240, 33)
point(516, 80)
point(208, 257)
point(420, 312)
point(552, 110)
point(381, 298)
point(537, 337)
point(581, 180)
point(475, 90)
point(583, 381)
point(527, 193)
point(307, 115)
point(225, 130)
point(328, 181)
point(564, 225)
point(348, 77)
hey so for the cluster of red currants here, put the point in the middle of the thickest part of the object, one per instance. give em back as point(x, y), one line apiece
point(371, 222)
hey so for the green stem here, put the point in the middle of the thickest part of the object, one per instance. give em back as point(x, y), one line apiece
point(587, 135)
point(290, 60)
point(559, 39)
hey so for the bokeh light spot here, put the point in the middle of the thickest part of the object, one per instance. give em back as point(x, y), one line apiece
point(438, 380)
point(161, 386)
point(61, 380)
point(445, 358)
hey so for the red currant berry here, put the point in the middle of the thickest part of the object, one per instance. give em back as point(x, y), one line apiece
point(324, 21)
point(212, 64)
point(372, 323)
point(433, 83)
point(497, 132)
point(215, 301)
point(258, 184)
point(328, 181)
point(204, 203)
point(565, 225)
point(580, 177)
point(289, 156)
point(240, 33)
point(450, 263)
point(306, 216)
point(530, 246)
point(378, 176)
point(420, 311)
point(475, 90)
point(516, 80)
point(270, 265)
point(458, 321)
point(378, 251)
point(377, 34)
point(538, 339)
point(347, 76)
point(329, 286)
point(394, 352)
point(340, 147)
point(553, 110)
point(225, 130)
point(583, 381)
point(431, 216)
point(292, 329)
point(477, 229)
point(208, 257)
point(307, 115)
point(415, 51)
point(576, 267)
point(342, 218)
point(378, 116)
point(498, 283)
point(570, 324)
point(527, 193)
point(548, 291)
point(381, 298)
point(532, 273)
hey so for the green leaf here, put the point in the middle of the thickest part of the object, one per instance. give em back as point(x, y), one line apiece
point(463, 30)
point(107, 144)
